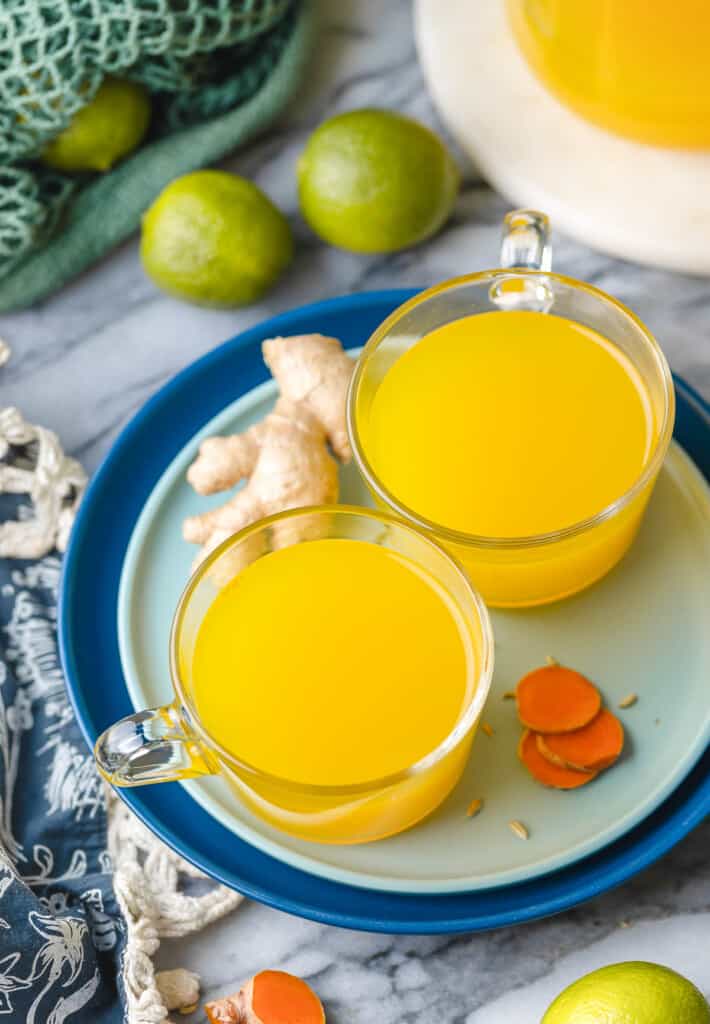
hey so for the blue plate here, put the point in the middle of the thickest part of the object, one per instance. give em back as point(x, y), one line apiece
point(89, 645)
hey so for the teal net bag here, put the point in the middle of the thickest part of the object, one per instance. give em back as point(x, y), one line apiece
point(218, 71)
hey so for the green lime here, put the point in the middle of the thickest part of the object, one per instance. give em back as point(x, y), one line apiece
point(104, 131)
point(216, 239)
point(630, 993)
point(374, 181)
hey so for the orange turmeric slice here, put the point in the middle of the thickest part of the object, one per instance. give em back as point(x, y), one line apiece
point(593, 747)
point(555, 699)
point(270, 997)
point(545, 771)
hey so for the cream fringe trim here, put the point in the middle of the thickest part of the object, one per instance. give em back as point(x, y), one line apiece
point(147, 874)
point(147, 886)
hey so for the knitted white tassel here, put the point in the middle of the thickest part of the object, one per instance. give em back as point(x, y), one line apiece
point(146, 873)
point(53, 482)
point(146, 882)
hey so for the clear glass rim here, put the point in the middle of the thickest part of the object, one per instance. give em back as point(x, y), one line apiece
point(461, 728)
point(459, 537)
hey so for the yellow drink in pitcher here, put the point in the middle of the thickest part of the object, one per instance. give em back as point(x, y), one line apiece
point(513, 425)
point(336, 663)
point(636, 67)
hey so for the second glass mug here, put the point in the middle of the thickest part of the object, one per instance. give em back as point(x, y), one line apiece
point(523, 571)
point(169, 743)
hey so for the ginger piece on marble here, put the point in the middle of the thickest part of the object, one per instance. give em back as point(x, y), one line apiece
point(270, 997)
point(286, 456)
point(179, 989)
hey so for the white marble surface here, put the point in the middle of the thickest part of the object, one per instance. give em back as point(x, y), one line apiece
point(87, 359)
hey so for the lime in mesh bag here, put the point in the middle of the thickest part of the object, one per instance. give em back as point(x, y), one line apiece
point(218, 72)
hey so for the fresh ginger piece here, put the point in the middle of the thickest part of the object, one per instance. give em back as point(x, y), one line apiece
point(270, 997)
point(314, 371)
point(555, 699)
point(285, 458)
point(224, 461)
point(293, 468)
point(545, 771)
point(592, 748)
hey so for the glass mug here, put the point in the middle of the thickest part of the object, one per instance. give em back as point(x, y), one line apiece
point(168, 743)
point(635, 67)
point(514, 572)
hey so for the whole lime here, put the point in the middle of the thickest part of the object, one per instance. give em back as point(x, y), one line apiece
point(104, 131)
point(214, 238)
point(630, 993)
point(374, 181)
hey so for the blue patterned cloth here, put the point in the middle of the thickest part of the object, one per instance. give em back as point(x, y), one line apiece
point(61, 933)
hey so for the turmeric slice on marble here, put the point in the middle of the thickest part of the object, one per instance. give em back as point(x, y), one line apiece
point(556, 699)
point(545, 771)
point(270, 997)
point(593, 747)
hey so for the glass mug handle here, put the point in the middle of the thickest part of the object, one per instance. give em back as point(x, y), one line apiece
point(154, 745)
point(526, 241)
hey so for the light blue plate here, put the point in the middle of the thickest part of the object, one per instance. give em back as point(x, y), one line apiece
point(643, 629)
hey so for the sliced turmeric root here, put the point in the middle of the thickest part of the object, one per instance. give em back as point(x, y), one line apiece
point(545, 771)
point(593, 747)
point(270, 997)
point(556, 699)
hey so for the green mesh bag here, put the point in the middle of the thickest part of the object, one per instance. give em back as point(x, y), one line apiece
point(218, 70)
point(30, 206)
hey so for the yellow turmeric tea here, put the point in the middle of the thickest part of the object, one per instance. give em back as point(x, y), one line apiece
point(333, 662)
point(510, 425)
point(636, 67)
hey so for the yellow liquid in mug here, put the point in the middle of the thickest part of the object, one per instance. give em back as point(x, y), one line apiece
point(636, 67)
point(510, 425)
point(333, 662)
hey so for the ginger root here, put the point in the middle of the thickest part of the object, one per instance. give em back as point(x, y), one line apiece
point(286, 456)
point(314, 371)
point(270, 997)
point(179, 989)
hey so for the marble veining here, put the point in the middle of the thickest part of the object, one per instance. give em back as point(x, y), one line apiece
point(493, 978)
point(85, 360)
